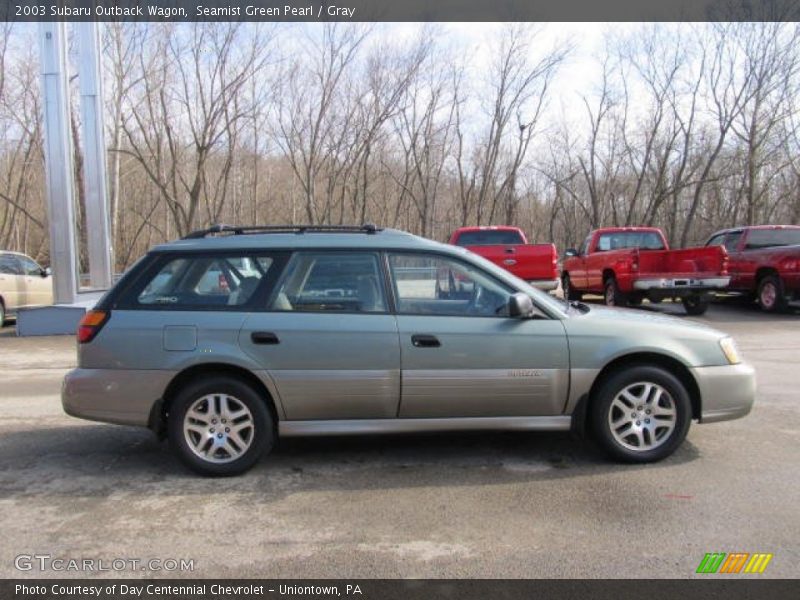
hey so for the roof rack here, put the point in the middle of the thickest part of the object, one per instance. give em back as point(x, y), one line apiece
point(221, 229)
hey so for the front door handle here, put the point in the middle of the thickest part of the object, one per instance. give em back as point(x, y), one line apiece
point(425, 341)
point(264, 337)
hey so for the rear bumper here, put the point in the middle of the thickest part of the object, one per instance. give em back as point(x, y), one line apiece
point(682, 283)
point(726, 392)
point(120, 396)
point(548, 285)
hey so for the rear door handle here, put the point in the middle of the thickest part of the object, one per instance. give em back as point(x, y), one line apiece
point(425, 341)
point(264, 337)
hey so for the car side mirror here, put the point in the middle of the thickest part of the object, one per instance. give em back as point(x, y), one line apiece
point(571, 252)
point(46, 272)
point(520, 306)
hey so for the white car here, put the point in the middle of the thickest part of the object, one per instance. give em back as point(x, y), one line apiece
point(23, 284)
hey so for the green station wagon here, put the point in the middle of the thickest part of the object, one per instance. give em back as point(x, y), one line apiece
point(228, 338)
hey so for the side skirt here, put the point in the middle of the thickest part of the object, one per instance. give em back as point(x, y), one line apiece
point(374, 426)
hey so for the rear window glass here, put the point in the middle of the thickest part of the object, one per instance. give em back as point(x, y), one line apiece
point(205, 281)
point(647, 240)
point(488, 238)
point(766, 238)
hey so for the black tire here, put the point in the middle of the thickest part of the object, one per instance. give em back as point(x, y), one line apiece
point(612, 296)
point(771, 296)
point(569, 292)
point(695, 305)
point(2, 313)
point(635, 300)
point(263, 427)
point(631, 376)
point(655, 300)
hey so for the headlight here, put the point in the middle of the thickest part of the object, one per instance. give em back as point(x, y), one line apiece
point(730, 350)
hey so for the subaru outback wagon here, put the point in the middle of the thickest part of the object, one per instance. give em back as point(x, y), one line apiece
point(231, 337)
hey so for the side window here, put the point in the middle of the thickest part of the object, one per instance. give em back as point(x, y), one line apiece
point(9, 265)
point(604, 243)
point(205, 281)
point(717, 240)
point(585, 246)
point(438, 285)
point(29, 267)
point(331, 282)
point(732, 241)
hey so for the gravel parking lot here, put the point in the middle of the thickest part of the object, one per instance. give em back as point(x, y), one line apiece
point(478, 505)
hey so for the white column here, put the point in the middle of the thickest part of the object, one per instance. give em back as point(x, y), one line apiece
point(58, 160)
point(94, 153)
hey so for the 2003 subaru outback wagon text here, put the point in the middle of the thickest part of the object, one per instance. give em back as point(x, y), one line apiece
point(232, 336)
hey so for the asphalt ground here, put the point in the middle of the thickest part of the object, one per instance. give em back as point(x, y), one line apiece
point(458, 506)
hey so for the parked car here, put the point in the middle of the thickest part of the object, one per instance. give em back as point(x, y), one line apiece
point(509, 248)
point(629, 264)
point(346, 331)
point(23, 284)
point(764, 261)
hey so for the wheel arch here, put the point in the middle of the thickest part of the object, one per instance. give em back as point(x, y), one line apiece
point(608, 273)
point(763, 272)
point(160, 411)
point(668, 363)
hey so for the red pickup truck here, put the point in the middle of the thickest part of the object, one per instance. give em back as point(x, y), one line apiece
point(629, 264)
point(509, 248)
point(764, 261)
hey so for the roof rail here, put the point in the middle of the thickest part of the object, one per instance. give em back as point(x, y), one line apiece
point(221, 229)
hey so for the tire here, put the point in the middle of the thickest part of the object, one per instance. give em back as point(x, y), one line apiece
point(695, 305)
point(635, 300)
point(648, 441)
point(655, 300)
point(569, 292)
point(2, 313)
point(612, 294)
point(770, 295)
point(198, 415)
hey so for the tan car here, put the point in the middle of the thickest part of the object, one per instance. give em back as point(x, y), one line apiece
point(23, 284)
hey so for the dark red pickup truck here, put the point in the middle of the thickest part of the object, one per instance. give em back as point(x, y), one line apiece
point(764, 261)
point(509, 248)
point(629, 264)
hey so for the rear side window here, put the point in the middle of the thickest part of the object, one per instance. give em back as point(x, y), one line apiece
point(332, 282)
point(205, 281)
point(768, 238)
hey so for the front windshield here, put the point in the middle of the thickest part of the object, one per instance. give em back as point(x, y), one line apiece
point(543, 299)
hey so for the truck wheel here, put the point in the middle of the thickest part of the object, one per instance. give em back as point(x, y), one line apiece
point(220, 425)
point(771, 297)
point(641, 414)
point(635, 300)
point(568, 291)
point(2, 313)
point(695, 305)
point(613, 296)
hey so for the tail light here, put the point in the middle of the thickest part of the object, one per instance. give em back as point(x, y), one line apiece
point(91, 324)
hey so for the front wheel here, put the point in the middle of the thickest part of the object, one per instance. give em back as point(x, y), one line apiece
point(695, 305)
point(641, 414)
point(569, 292)
point(770, 295)
point(220, 426)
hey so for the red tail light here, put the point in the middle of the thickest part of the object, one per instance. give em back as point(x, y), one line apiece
point(91, 324)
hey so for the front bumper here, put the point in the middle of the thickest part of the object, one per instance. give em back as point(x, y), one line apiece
point(547, 285)
point(682, 283)
point(120, 396)
point(726, 392)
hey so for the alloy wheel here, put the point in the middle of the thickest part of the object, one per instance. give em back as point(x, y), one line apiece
point(218, 428)
point(642, 416)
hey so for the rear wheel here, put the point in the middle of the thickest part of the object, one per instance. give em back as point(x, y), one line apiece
point(770, 296)
point(567, 289)
point(695, 305)
point(641, 414)
point(220, 426)
point(612, 295)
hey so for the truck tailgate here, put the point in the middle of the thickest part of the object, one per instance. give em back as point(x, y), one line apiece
point(527, 261)
point(687, 262)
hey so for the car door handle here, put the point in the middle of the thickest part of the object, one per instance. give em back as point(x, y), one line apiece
point(264, 337)
point(425, 341)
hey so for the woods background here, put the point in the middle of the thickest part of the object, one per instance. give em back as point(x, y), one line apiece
point(689, 127)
